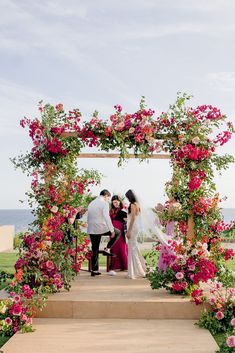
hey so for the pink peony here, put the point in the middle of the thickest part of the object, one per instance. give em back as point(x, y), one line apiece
point(230, 341)
point(219, 315)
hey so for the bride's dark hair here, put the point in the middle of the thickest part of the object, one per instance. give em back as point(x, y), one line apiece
point(131, 198)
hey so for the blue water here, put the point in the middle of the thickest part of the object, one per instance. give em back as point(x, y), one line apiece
point(19, 218)
point(22, 218)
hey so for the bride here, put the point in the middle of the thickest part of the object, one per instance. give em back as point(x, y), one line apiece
point(136, 263)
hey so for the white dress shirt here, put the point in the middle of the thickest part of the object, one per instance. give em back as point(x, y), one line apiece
point(98, 218)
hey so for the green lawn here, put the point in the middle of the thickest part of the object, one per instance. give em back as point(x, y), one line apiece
point(7, 261)
point(231, 264)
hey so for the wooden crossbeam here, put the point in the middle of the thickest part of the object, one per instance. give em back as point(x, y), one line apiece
point(117, 155)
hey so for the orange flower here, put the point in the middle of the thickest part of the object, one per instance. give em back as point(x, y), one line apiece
point(19, 275)
point(42, 245)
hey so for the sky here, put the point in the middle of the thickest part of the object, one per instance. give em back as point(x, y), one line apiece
point(95, 54)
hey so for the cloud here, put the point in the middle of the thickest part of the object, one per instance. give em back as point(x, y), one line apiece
point(17, 101)
point(225, 81)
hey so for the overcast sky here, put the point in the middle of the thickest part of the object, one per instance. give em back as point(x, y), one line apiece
point(95, 54)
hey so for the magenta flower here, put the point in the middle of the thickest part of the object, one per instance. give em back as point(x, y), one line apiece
point(16, 309)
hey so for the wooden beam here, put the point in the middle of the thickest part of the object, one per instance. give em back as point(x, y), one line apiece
point(117, 155)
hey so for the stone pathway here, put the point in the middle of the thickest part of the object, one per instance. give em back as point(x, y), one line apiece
point(114, 314)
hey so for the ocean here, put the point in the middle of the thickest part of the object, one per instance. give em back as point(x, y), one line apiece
point(22, 218)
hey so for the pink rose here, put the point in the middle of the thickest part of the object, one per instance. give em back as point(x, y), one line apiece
point(50, 265)
point(230, 341)
point(8, 321)
point(233, 322)
point(219, 315)
point(16, 299)
point(179, 275)
point(16, 309)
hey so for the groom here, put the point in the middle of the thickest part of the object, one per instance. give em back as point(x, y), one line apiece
point(100, 224)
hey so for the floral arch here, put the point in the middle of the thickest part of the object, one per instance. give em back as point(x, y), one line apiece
point(58, 188)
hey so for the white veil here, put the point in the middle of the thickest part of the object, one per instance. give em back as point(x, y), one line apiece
point(150, 226)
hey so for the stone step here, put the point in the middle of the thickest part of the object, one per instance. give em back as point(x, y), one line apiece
point(112, 335)
point(117, 297)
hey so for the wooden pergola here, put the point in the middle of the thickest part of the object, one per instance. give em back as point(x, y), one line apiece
point(116, 155)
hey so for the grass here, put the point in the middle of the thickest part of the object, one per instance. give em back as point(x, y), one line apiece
point(7, 261)
point(3, 340)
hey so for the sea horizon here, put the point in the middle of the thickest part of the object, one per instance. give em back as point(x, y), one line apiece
point(21, 218)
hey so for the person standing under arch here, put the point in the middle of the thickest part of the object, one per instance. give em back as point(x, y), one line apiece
point(100, 224)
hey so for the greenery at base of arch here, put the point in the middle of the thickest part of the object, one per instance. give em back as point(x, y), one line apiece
point(59, 190)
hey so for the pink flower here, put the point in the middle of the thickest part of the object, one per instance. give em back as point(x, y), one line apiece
point(191, 267)
point(212, 301)
point(178, 287)
point(233, 322)
point(8, 321)
point(219, 315)
point(179, 275)
point(16, 299)
point(50, 265)
point(16, 309)
point(230, 341)
point(194, 183)
point(118, 108)
point(24, 317)
point(59, 107)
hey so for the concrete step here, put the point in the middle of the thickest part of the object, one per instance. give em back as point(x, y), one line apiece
point(117, 297)
point(112, 335)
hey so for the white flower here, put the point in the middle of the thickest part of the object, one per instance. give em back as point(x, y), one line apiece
point(176, 205)
point(54, 209)
point(158, 149)
point(131, 130)
point(196, 140)
point(48, 243)
point(194, 252)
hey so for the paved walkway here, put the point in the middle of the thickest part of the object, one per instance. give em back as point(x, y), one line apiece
point(114, 314)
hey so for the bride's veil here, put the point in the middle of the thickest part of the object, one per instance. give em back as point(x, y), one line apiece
point(150, 225)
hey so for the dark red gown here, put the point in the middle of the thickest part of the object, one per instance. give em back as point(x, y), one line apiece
point(120, 248)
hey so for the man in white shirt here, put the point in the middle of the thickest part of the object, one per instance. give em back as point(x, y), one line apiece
point(100, 224)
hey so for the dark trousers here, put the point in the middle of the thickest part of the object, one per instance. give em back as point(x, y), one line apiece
point(95, 244)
